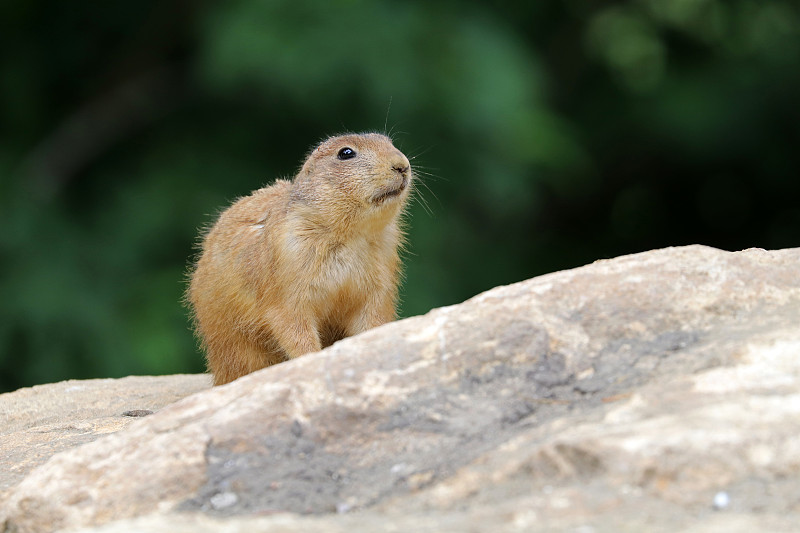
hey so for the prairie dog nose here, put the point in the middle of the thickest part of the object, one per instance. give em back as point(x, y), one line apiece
point(400, 164)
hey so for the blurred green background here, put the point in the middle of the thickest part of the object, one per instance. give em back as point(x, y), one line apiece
point(547, 134)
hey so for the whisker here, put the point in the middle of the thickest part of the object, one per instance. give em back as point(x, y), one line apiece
point(422, 151)
point(423, 201)
point(386, 121)
point(429, 175)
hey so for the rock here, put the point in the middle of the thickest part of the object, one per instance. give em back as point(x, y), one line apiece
point(38, 422)
point(625, 395)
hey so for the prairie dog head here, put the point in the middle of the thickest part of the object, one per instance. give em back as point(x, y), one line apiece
point(354, 175)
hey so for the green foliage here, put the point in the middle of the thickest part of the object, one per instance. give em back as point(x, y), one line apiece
point(546, 135)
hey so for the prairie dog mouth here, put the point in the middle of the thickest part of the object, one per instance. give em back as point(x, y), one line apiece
point(384, 194)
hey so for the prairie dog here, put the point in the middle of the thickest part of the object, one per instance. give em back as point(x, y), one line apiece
point(300, 264)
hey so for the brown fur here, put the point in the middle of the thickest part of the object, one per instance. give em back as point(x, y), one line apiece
point(299, 264)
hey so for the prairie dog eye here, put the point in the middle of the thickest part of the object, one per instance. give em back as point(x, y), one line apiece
point(346, 153)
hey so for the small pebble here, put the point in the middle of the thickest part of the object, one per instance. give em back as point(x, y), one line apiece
point(721, 500)
point(136, 413)
point(221, 500)
point(297, 429)
point(399, 467)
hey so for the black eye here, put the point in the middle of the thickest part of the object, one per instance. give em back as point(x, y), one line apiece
point(346, 153)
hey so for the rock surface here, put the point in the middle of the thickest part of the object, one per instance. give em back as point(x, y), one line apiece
point(659, 391)
point(38, 422)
